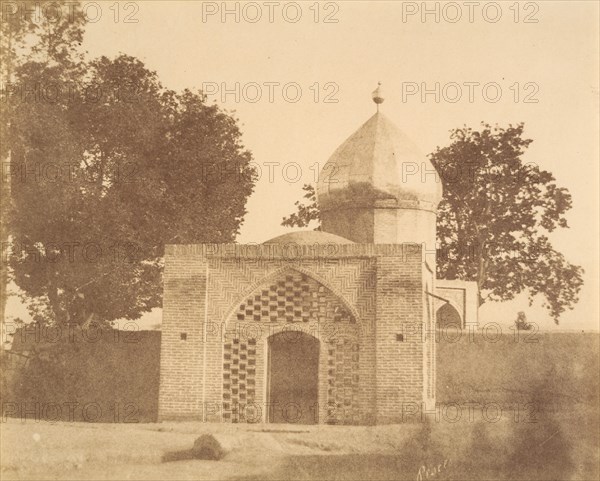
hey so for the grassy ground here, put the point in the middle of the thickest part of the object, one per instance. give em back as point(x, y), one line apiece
point(547, 393)
point(477, 450)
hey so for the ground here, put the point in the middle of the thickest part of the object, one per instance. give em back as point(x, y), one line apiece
point(476, 449)
point(507, 409)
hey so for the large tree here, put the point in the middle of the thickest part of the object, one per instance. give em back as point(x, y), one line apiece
point(107, 166)
point(27, 35)
point(494, 219)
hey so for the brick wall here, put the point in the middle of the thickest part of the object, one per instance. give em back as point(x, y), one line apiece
point(365, 373)
point(181, 373)
point(399, 362)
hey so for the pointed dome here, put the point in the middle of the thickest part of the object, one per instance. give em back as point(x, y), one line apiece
point(380, 162)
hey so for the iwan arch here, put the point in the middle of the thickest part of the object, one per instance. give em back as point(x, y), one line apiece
point(336, 326)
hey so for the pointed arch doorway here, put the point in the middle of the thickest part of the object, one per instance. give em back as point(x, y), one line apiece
point(448, 316)
point(293, 378)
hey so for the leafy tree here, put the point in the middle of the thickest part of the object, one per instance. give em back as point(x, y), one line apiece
point(493, 219)
point(307, 213)
point(27, 35)
point(107, 172)
point(494, 215)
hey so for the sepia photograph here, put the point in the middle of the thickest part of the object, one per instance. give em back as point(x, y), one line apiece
point(300, 240)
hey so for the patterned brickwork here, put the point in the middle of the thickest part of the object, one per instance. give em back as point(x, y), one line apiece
point(295, 297)
point(343, 382)
point(239, 378)
point(350, 279)
point(355, 301)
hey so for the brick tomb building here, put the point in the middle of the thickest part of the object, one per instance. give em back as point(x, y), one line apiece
point(335, 326)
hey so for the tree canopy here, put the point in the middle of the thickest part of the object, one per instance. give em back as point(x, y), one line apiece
point(494, 218)
point(106, 167)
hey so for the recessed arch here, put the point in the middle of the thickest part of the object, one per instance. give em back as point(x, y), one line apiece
point(282, 271)
point(293, 303)
point(448, 316)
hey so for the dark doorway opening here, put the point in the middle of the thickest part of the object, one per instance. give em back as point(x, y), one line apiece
point(448, 316)
point(293, 378)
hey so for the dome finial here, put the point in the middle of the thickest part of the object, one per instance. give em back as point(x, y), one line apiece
point(377, 95)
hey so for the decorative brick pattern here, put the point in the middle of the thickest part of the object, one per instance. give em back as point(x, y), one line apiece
point(343, 382)
point(239, 378)
point(356, 301)
point(294, 297)
point(365, 301)
point(349, 279)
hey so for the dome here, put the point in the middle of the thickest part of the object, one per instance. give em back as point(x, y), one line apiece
point(379, 162)
point(309, 237)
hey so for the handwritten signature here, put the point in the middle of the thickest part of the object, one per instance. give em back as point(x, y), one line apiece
point(426, 472)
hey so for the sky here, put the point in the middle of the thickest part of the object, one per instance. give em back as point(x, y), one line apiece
point(299, 77)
